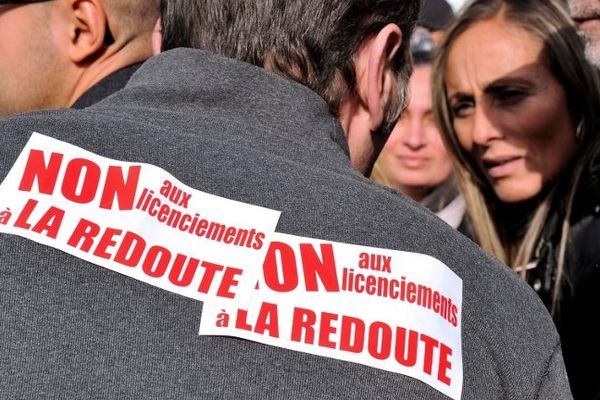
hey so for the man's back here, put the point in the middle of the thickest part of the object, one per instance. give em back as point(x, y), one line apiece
point(73, 329)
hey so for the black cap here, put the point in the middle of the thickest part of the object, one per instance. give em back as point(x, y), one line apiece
point(435, 15)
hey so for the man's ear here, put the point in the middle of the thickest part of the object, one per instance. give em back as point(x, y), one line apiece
point(156, 38)
point(381, 80)
point(87, 27)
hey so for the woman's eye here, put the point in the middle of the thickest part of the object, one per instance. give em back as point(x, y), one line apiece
point(461, 108)
point(510, 96)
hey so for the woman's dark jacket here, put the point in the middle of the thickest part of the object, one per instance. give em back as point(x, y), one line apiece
point(577, 316)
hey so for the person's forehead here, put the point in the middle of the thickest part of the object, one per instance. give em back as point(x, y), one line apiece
point(20, 2)
point(490, 50)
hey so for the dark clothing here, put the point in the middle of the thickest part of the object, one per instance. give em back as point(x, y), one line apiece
point(435, 15)
point(580, 297)
point(448, 204)
point(73, 329)
point(442, 195)
point(107, 86)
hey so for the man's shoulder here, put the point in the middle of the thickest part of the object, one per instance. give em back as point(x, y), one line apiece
point(62, 124)
point(17, 130)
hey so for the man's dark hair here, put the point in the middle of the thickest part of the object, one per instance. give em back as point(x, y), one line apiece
point(310, 41)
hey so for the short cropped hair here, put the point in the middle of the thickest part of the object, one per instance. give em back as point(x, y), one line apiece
point(132, 18)
point(310, 41)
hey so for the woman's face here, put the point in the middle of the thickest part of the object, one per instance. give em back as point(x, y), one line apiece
point(510, 112)
point(414, 159)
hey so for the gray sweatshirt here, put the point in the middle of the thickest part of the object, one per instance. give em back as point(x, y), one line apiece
point(70, 329)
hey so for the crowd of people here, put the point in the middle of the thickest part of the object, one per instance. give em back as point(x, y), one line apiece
point(470, 137)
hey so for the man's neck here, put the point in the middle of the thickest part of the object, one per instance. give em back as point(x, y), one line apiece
point(106, 64)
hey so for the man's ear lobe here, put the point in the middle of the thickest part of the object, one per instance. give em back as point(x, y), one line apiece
point(88, 26)
point(380, 77)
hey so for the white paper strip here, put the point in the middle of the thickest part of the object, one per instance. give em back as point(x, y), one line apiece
point(387, 309)
point(135, 219)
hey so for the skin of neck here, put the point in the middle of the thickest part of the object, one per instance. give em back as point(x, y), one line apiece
point(113, 58)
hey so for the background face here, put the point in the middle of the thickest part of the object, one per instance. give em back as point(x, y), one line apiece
point(414, 159)
point(510, 112)
point(586, 14)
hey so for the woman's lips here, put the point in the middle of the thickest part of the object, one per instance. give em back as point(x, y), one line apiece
point(502, 166)
point(413, 162)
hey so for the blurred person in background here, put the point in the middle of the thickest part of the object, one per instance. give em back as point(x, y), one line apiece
point(435, 16)
point(586, 14)
point(414, 160)
point(66, 53)
point(517, 103)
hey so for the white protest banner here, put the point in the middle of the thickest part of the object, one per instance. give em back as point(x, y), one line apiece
point(387, 309)
point(135, 219)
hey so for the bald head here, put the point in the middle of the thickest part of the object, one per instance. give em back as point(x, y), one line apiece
point(54, 51)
